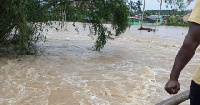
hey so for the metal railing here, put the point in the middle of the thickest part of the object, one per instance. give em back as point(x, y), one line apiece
point(177, 99)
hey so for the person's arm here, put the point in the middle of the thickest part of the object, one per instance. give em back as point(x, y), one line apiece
point(186, 52)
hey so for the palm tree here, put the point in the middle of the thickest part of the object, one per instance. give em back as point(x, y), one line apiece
point(138, 5)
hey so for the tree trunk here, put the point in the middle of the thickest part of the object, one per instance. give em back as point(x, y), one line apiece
point(143, 14)
point(159, 13)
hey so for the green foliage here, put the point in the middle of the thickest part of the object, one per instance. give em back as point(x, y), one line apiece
point(16, 34)
point(176, 21)
point(98, 12)
point(113, 11)
point(166, 12)
point(136, 6)
point(35, 15)
point(20, 27)
point(176, 4)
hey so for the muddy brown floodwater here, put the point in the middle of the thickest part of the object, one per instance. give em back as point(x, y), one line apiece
point(131, 70)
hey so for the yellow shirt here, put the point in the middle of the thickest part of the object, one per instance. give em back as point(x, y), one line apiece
point(195, 17)
point(196, 76)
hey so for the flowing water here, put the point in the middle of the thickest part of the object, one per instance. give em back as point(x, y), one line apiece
point(131, 70)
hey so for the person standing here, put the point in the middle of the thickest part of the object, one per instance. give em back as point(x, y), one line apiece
point(185, 54)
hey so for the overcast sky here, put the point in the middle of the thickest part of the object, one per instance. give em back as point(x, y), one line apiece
point(155, 5)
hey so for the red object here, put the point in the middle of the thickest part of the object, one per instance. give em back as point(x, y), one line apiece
point(135, 17)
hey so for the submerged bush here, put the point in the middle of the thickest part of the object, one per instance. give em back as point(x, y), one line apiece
point(17, 31)
point(176, 21)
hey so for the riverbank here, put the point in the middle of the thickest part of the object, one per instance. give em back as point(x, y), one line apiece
point(132, 69)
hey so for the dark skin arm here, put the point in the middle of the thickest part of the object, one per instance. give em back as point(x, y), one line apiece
point(186, 52)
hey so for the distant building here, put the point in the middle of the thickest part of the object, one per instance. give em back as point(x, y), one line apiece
point(150, 20)
point(134, 20)
point(155, 17)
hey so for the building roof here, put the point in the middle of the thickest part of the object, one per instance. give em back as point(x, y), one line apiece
point(154, 16)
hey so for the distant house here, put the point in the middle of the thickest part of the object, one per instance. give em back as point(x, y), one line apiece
point(150, 20)
point(134, 20)
point(153, 19)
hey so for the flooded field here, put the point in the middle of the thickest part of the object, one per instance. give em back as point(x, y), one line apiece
point(131, 70)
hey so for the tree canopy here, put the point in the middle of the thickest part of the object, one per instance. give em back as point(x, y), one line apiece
point(20, 28)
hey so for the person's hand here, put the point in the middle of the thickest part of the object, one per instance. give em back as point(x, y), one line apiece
point(172, 86)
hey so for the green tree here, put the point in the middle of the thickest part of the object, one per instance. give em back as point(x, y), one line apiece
point(16, 32)
point(138, 5)
point(178, 4)
point(135, 6)
point(20, 28)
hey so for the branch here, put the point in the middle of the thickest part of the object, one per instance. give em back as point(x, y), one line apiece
point(46, 6)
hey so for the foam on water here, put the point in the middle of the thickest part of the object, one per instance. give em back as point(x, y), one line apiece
point(131, 70)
